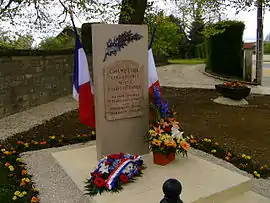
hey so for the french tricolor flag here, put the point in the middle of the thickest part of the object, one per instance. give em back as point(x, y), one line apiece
point(83, 90)
point(152, 71)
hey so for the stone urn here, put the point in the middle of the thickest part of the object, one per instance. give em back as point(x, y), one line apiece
point(233, 90)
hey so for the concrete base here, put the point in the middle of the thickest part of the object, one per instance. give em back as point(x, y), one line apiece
point(231, 102)
point(202, 181)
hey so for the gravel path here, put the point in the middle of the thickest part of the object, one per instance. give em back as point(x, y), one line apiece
point(25, 120)
point(56, 187)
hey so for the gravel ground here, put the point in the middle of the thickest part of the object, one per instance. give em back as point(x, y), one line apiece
point(25, 120)
point(56, 187)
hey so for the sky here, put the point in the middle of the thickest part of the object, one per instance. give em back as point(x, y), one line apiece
point(249, 18)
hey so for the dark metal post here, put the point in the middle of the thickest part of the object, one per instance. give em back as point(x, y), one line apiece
point(172, 189)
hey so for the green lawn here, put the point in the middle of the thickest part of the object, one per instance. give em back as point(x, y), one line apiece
point(186, 61)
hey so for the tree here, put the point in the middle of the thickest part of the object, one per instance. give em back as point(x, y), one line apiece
point(132, 11)
point(167, 37)
point(17, 42)
point(57, 43)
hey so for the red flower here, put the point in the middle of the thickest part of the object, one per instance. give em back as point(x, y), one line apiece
point(114, 156)
point(167, 129)
point(123, 178)
point(107, 163)
point(96, 174)
point(139, 169)
point(99, 182)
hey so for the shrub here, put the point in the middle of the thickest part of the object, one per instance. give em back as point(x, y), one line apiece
point(225, 48)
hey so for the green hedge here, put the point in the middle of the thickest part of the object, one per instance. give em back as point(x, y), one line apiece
point(200, 51)
point(225, 48)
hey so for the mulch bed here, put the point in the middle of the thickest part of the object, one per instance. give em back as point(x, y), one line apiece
point(242, 130)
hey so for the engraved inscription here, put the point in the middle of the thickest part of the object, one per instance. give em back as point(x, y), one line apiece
point(123, 90)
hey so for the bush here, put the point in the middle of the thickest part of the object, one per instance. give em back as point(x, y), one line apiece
point(267, 48)
point(225, 48)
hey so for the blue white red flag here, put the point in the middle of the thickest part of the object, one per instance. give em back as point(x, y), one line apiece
point(83, 90)
point(152, 71)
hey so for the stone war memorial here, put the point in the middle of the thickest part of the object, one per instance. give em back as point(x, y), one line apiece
point(118, 165)
point(121, 88)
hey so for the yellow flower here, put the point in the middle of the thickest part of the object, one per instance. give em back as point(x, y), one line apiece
point(93, 132)
point(244, 156)
point(27, 180)
point(213, 151)
point(14, 198)
point(248, 157)
point(256, 174)
point(17, 193)
point(24, 192)
point(20, 160)
point(26, 145)
point(156, 142)
point(11, 168)
point(3, 150)
point(52, 137)
point(21, 195)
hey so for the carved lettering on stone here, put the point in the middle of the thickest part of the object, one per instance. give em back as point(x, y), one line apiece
point(123, 83)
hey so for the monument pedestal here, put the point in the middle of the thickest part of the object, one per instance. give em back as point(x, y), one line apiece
point(202, 181)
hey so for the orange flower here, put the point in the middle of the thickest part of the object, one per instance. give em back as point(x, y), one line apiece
point(8, 153)
point(163, 123)
point(157, 131)
point(22, 183)
point(24, 172)
point(84, 135)
point(34, 200)
point(43, 143)
point(170, 144)
point(227, 158)
point(156, 142)
point(20, 142)
point(192, 141)
point(184, 145)
point(7, 164)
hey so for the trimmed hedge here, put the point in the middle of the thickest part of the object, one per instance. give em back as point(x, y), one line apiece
point(225, 48)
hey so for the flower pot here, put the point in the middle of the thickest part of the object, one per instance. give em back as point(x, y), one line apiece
point(235, 93)
point(163, 159)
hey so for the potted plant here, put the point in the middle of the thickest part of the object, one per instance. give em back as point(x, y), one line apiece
point(166, 140)
point(234, 90)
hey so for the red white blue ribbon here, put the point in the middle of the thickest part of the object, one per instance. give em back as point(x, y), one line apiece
point(118, 170)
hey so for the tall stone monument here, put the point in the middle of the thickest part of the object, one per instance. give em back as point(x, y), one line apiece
point(120, 68)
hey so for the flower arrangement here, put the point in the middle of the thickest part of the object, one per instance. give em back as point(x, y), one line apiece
point(234, 84)
point(165, 137)
point(114, 171)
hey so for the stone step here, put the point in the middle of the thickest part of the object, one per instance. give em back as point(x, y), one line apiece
point(202, 181)
point(249, 197)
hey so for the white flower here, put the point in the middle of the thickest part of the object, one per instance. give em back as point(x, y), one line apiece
point(128, 168)
point(176, 133)
point(104, 168)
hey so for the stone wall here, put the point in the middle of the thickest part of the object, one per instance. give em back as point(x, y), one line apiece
point(31, 78)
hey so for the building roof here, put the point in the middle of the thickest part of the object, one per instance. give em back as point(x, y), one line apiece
point(249, 45)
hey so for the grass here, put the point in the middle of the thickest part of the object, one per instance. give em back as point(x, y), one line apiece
point(186, 61)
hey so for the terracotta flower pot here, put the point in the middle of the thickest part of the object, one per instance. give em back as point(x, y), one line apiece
point(163, 159)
